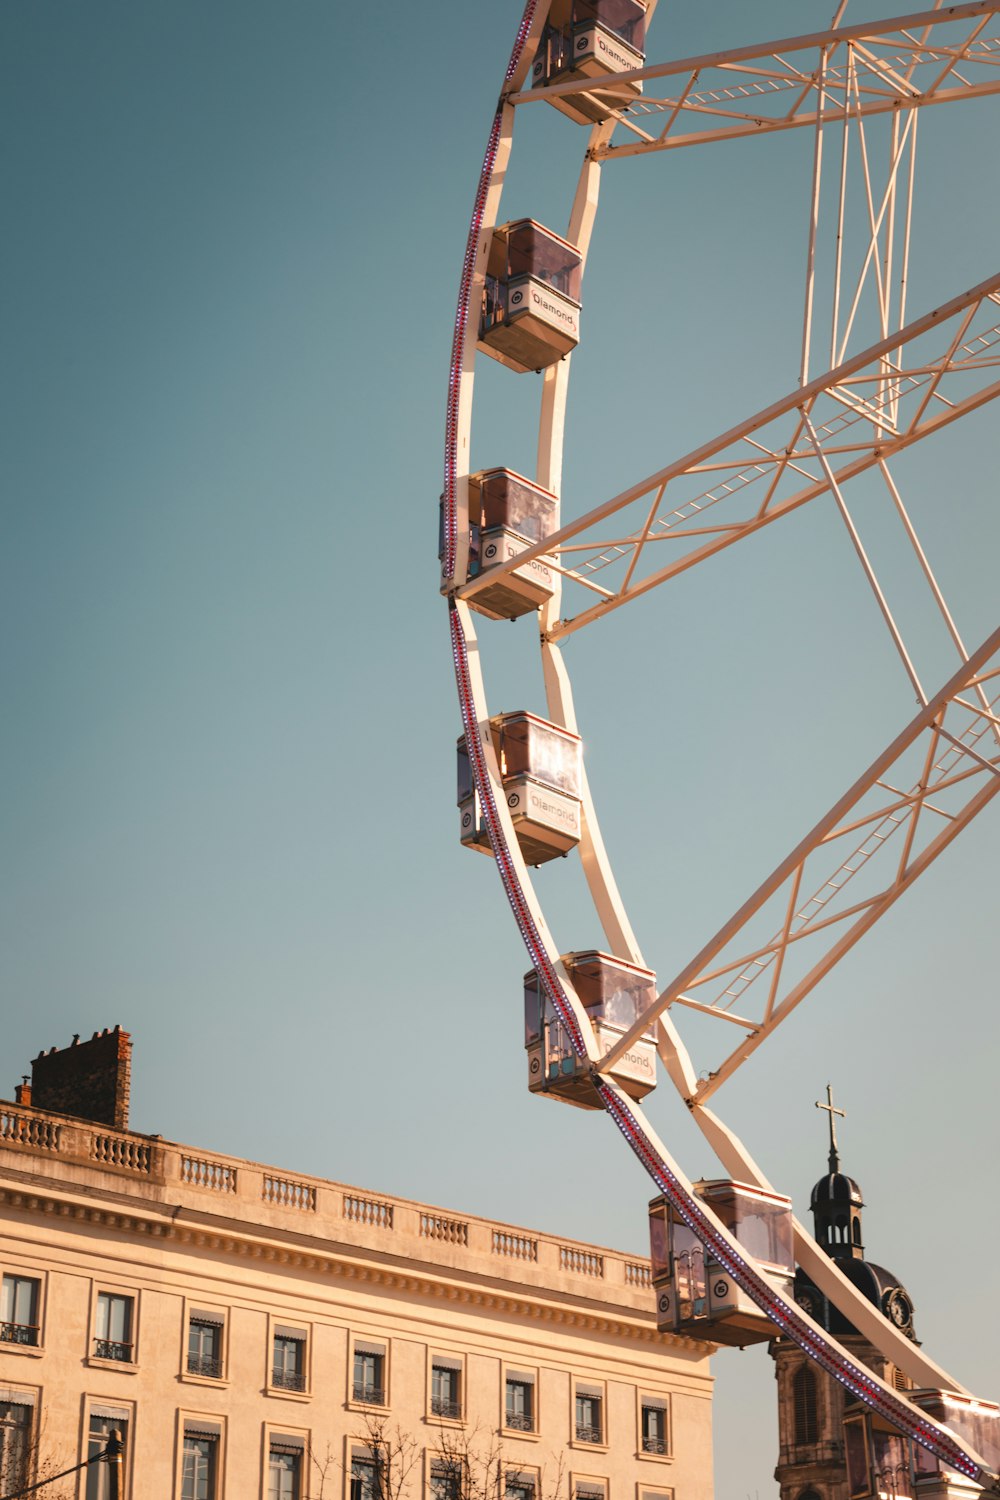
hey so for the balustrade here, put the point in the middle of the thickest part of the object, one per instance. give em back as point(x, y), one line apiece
point(177, 1169)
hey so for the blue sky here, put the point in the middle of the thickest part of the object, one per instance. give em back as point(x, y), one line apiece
point(233, 240)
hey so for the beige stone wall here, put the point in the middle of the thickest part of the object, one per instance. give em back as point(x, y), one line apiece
point(85, 1210)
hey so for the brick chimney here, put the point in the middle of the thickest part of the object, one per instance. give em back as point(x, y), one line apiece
point(91, 1080)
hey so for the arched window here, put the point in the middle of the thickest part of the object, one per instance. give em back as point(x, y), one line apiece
point(804, 1405)
point(857, 1231)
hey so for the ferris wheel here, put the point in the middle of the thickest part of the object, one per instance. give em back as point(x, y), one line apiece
point(874, 377)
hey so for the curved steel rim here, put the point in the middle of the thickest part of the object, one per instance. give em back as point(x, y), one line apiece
point(788, 1318)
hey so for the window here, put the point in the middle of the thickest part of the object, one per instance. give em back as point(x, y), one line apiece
point(104, 1420)
point(114, 1327)
point(204, 1347)
point(365, 1477)
point(804, 1404)
point(19, 1303)
point(369, 1373)
point(446, 1479)
point(200, 1461)
point(519, 1403)
point(519, 1486)
point(15, 1443)
point(653, 1435)
point(284, 1467)
point(589, 1426)
point(288, 1361)
point(446, 1388)
point(589, 1489)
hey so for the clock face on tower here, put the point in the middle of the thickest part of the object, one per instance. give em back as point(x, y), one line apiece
point(809, 1303)
point(897, 1308)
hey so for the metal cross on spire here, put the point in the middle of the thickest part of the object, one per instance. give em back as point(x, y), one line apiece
point(834, 1157)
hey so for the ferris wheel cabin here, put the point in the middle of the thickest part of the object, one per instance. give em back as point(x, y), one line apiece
point(878, 1458)
point(614, 994)
point(974, 1421)
point(531, 300)
point(508, 513)
point(590, 41)
point(697, 1296)
point(882, 1464)
point(540, 766)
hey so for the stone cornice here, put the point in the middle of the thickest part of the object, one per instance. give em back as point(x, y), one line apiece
point(183, 1229)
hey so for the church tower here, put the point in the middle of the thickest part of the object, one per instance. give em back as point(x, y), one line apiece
point(811, 1461)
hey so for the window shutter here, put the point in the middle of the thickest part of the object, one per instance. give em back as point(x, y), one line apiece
point(804, 1405)
point(110, 1413)
point(10, 1397)
point(197, 1428)
point(286, 1442)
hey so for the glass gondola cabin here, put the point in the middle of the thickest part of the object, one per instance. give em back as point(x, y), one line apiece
point(540, 766)
point(975, 1421)
point(697, 1296)
point(878, 1457)
point(614, 994)
point(589, 42)
point(884, 1465)
point(507, 514)
point(531, 300)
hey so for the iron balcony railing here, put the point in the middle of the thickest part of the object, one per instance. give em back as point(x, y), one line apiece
point(209, 1365)
point(588, 1434)
point(371, 1395)
point(113, 1349)
point(18, 1333)
point(288, 1380)
point(443, 1406)
point(520, 1421)
point(653, 1445)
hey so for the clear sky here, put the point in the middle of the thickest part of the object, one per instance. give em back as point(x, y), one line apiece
point(232, 245)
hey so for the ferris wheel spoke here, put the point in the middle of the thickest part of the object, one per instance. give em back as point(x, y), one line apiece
point(865, 69)
point(946, 751)
point(866, 565)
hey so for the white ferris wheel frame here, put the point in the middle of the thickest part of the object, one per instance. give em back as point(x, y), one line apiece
point(917, 378)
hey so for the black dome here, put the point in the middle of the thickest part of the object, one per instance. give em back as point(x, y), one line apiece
point(880, 1286)
point(875, 1281)
point(837, 1188)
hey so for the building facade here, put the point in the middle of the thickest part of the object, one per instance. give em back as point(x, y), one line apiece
point(259, 1335)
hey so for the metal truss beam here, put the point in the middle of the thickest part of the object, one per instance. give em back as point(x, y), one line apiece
point(758, 90)
point(875, 389)
point(955, 781)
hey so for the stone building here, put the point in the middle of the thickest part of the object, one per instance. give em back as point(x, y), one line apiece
point(263, 1335)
